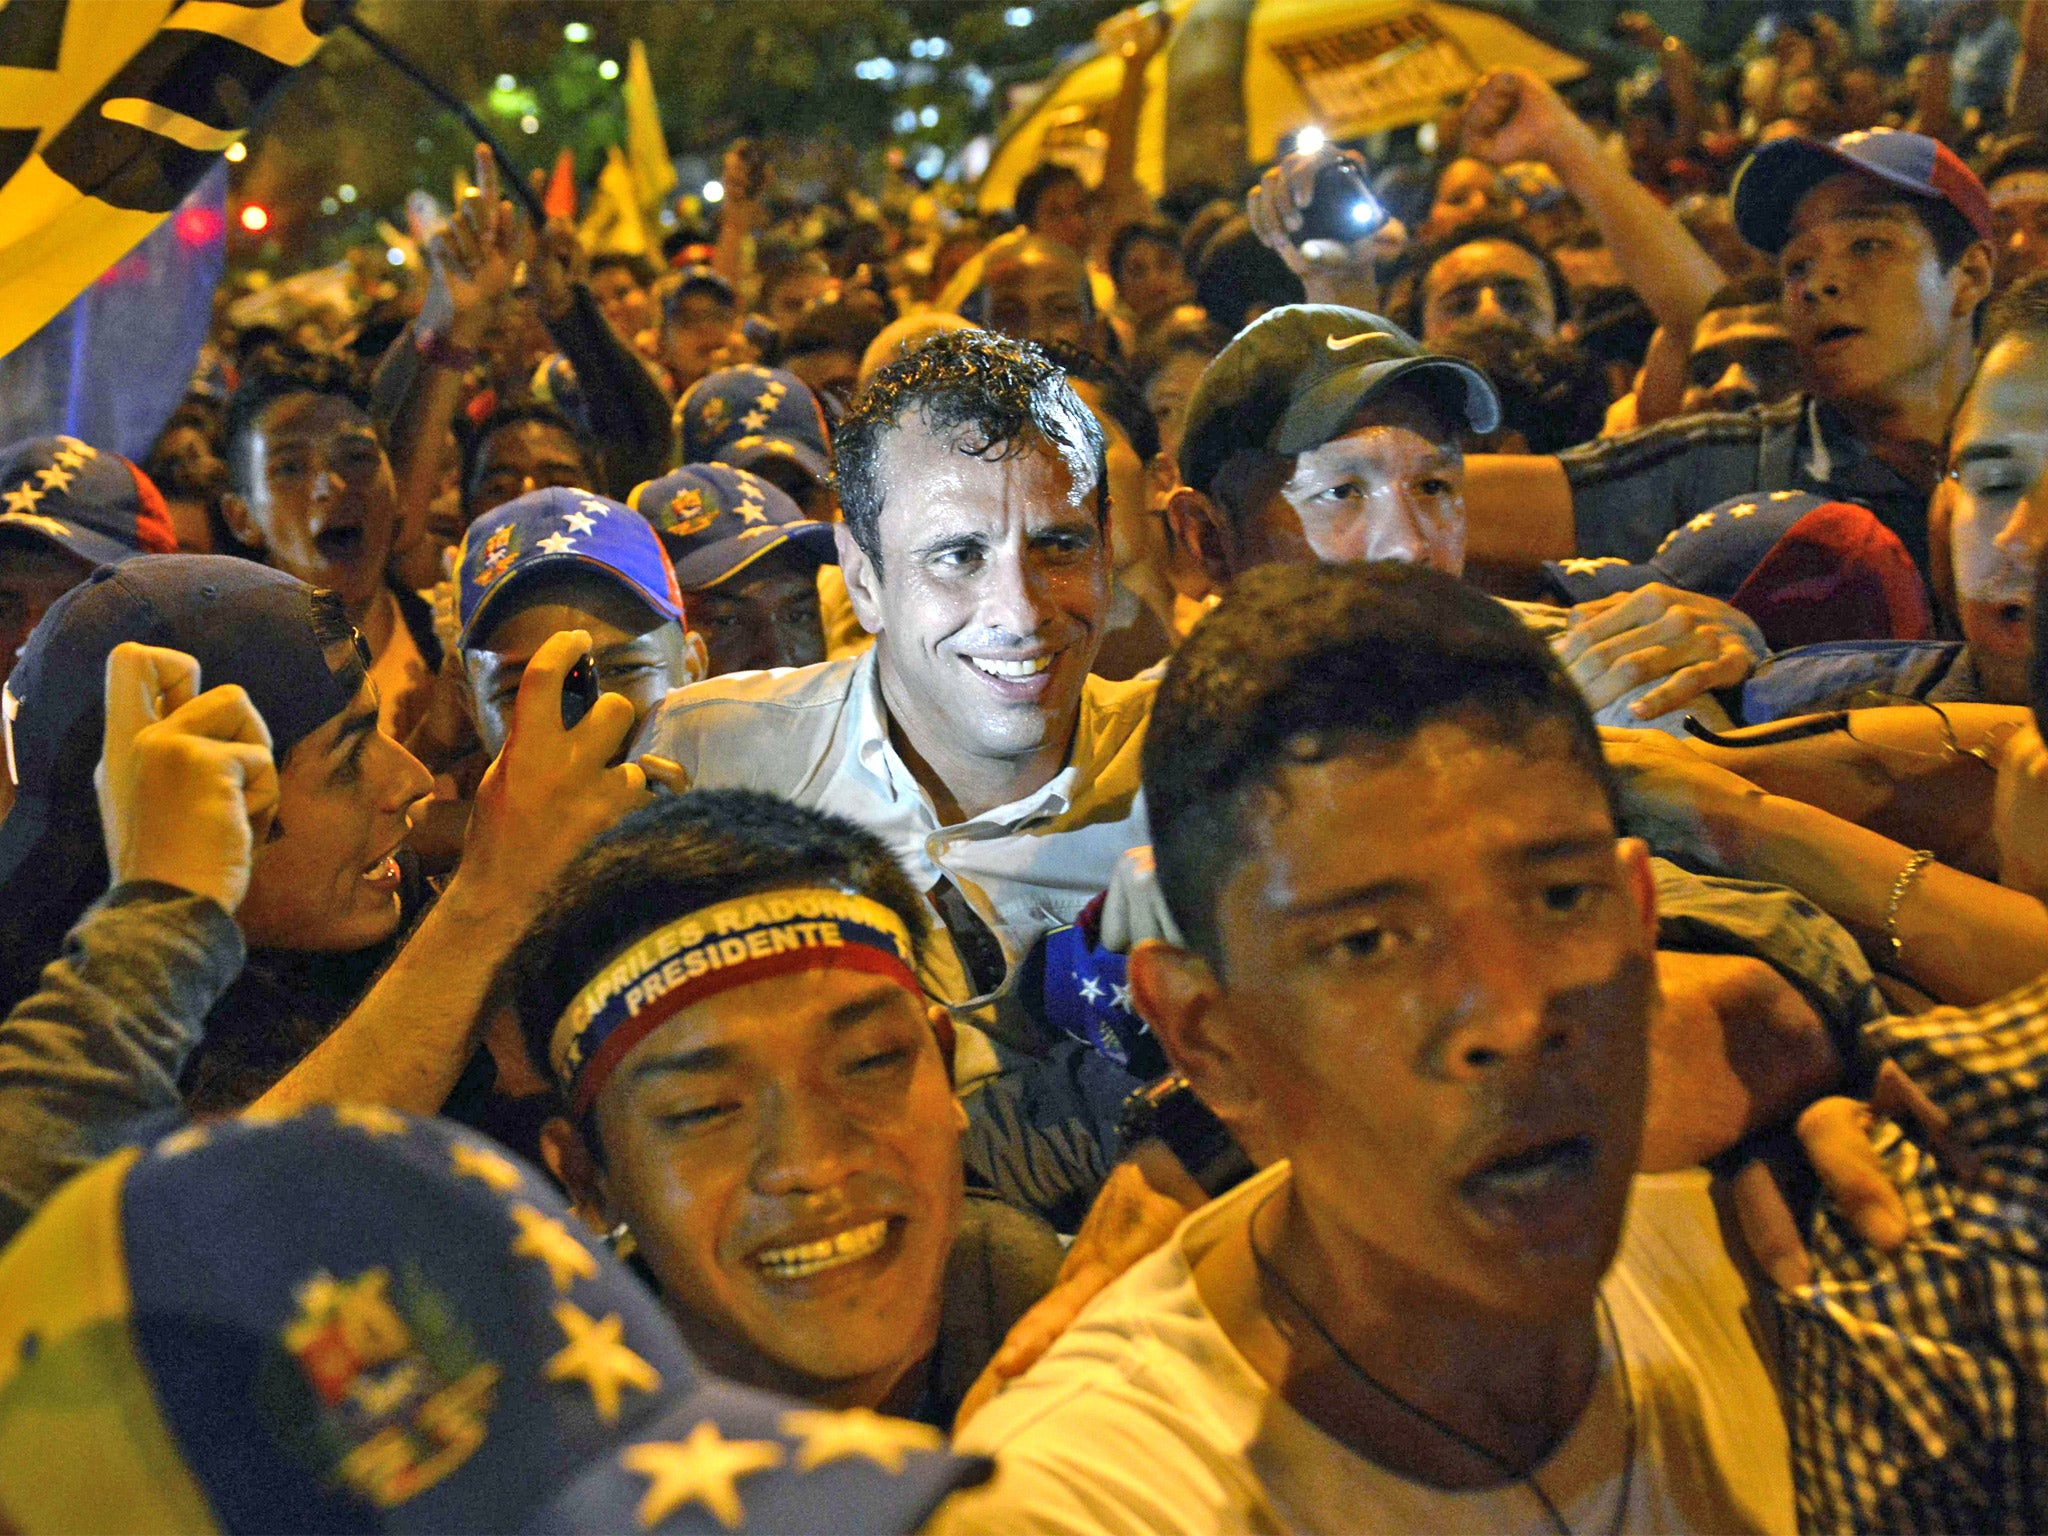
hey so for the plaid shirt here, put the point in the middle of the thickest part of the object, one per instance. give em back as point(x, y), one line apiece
point(1915, 1381)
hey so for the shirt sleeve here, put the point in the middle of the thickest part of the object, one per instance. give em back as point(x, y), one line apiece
point(621, 405)
point(1628, 492)
point(101, 1041)
point(1707, 914)
point(1913, 1379)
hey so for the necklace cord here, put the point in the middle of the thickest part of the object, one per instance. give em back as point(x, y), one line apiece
point(1450, 1432)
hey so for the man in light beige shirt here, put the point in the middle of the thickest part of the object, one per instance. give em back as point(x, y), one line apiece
point(971, 738)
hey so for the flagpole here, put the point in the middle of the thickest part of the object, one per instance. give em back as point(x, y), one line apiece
point(514, 182)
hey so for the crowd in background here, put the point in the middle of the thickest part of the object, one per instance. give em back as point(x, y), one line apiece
point(1020, 807)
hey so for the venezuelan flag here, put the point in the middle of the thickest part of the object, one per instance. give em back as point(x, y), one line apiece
point(110, 112)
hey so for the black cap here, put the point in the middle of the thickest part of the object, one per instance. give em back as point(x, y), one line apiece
point(1294, 377)
point(245, 623)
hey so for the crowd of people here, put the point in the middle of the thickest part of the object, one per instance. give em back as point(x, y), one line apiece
point(1106, 868)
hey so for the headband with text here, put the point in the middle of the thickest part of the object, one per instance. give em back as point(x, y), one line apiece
point(726, 945)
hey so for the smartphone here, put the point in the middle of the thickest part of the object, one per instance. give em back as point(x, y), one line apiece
point(1343, 208)
point(579, 692)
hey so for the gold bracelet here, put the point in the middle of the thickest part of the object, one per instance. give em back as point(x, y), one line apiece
point(1896, 946)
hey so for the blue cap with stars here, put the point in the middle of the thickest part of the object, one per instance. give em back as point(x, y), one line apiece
point(67, 494)
point(749, 416)
point(715, 521)
point(352, 1320)
point(1712, 552)
point(1806, 569)
point(553, 530)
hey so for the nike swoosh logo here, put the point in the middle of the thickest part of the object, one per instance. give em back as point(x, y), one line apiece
point(1339, 343)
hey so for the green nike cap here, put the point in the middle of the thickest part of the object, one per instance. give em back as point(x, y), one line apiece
point(1293, 379)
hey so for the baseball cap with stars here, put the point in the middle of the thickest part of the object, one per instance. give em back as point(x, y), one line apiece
point(751, 415)
point(1804, 568)
point(61, 493)
point(716, 521)
point(554, 529)
point(353, 1319)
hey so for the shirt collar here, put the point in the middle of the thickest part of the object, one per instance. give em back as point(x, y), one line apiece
point(876, 756)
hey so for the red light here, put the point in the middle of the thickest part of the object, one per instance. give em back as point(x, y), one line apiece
point(198, 225)
point(255, 218)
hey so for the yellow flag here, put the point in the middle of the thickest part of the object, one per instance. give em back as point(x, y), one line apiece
point(614, 222)
point(646, 149)
point(110, 112)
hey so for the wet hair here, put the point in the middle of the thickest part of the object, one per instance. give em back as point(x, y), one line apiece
point(1304, 664)
point(994, 396)
point(1038, 181)
point(472, 443)
point(674, 857)
point(1122, 401)
point(302, 374)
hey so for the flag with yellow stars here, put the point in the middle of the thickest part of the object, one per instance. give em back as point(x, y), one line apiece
point(110, 112)
point(348, 1318)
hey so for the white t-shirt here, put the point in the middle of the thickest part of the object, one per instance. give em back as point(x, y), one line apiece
point(1145, 1418)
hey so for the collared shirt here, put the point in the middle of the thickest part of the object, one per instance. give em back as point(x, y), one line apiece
point(1628, 492)
point(1915, 1379)
point(820, 736)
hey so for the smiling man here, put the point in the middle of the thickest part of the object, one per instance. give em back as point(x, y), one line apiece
point(1418, 989)
point(724, 992)
point(312, 490)
point(971, 738)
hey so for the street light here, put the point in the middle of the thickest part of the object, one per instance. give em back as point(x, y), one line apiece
point(255, 218)
point(576, 32)
point(1019, 16)
point(237, 152)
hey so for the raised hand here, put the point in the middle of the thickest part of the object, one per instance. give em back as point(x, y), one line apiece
point(186, 783)
point(1513, 114)
point(1330, 272)
point(552, 790)
point(477, 255)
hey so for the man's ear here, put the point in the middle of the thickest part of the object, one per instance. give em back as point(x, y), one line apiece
point(696, 658)
point(1200, 527)
point(569, 1160)
point(241, 521)
point(863, 580)
point(1974, 275)
point(1177, 994)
